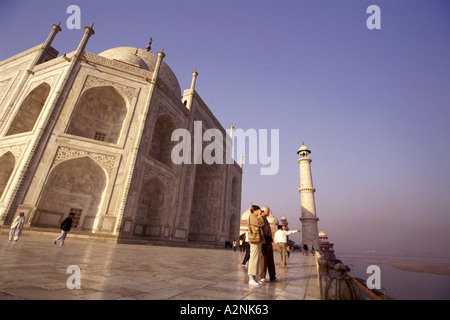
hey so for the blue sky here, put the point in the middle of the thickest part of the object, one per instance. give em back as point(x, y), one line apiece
point(372, 105)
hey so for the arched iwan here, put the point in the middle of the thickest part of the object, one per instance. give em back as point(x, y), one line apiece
point(99, 115)
point(75, 185)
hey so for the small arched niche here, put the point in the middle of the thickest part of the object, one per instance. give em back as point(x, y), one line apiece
point(235, 192)
point(162, 145)
point(29, 110)
point(206, 204)
point(7, 163)
point(233, 230)
point(151, 206)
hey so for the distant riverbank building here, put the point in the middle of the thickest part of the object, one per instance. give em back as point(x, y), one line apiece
point(327, 248)
point(91, 134)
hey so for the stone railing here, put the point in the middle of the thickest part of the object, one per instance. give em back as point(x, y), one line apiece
point(339, 286)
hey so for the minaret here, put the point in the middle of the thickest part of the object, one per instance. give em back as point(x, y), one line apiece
point(309, 218)
point(46, 46)
point(189, 97)
point(88, 32)
point(194, 79)
point(55, 29)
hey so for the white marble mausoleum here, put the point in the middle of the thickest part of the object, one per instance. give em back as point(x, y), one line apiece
point(91, 134)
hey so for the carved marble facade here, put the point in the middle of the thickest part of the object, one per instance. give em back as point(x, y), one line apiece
point(91, 134)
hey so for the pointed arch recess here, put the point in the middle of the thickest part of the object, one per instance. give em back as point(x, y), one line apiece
point(99, 114)
point(75, 184)
point(29, 110)
point(7, 164)
point(162, 145)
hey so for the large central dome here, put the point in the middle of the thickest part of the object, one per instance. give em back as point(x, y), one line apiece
point(144, 60)
point(271, 219)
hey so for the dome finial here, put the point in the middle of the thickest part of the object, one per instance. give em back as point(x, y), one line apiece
point(149, 46)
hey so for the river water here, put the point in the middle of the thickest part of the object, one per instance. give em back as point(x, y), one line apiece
point(401, 284)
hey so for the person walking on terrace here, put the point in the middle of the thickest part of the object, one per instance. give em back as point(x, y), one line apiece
point(66, 225)
point(16, 227)
point(281, 241)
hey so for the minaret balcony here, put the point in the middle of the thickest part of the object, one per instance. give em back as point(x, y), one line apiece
point(307, 189)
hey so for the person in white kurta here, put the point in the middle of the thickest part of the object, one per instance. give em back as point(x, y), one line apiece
point(16, 227)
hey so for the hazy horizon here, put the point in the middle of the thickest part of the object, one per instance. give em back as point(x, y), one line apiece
point(371, 105)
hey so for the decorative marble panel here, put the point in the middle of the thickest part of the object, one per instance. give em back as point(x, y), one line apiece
point(17, 150)
point(150, 173)
point(3, 87)
point(92, 81)
point(50, 80)
point(163, 110)
point(63, 154)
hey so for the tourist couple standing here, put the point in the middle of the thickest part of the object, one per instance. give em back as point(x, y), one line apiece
point(261, 250)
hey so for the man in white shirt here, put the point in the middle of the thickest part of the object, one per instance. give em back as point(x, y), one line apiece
point(281, 241)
